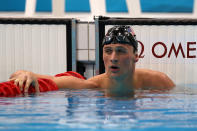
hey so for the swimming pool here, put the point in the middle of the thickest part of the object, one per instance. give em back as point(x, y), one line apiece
point(89, 110)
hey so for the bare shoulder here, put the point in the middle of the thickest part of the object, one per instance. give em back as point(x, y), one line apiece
point(152, 78)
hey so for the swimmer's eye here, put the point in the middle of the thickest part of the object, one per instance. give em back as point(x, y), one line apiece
point(121, 50)
point(108, 50)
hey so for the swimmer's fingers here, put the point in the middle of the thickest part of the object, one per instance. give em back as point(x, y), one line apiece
point(21, 84)
point(12, 79)
point(36, 85)
point(16, 81)
point(28, 82)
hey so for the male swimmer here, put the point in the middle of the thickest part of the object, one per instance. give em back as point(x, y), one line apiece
point(120, 78)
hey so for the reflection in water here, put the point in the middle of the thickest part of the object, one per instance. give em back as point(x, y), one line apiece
point(89, 109)
point(97, 111)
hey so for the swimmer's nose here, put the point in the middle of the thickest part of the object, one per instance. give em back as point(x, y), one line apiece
point(114, 58)
point(114, 61)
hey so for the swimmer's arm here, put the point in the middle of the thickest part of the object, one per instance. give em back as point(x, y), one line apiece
point(69, 82)
point(73, 82)
point(62, 82)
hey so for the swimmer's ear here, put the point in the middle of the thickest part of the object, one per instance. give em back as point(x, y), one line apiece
point(136, 58)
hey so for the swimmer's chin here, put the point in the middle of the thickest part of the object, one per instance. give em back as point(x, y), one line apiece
point(116, 76)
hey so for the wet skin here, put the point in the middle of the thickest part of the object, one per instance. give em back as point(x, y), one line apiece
point(119, 60)
point(120, 79)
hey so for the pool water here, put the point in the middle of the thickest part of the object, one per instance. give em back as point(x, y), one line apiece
point(90, 110)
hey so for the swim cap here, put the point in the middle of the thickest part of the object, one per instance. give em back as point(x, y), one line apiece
point(121, 34)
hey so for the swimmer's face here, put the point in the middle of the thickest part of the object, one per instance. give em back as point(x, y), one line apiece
point(119, 59)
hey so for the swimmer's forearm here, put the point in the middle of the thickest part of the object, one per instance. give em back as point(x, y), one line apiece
point(44, 76)
point(67, 81)
point(73, 82)
point(61, 82)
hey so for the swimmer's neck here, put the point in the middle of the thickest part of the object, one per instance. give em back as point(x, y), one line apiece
point(121, 87)
point(127, 80)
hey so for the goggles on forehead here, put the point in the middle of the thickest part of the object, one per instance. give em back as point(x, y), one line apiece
point(121, 35)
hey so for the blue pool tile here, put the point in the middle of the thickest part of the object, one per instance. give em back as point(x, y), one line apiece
point(167, 6)
point(12, 5)
point(44, 6)
point(116, 6)
point(77, 6)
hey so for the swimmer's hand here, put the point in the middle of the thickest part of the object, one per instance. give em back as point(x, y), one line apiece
point(20, 77)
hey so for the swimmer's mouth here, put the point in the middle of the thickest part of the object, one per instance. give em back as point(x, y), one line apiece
point(114, 68)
